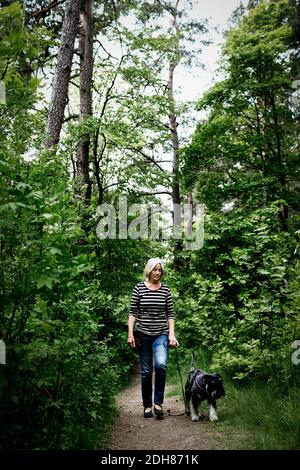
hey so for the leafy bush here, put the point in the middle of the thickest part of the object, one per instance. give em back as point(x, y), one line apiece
point(236, 302)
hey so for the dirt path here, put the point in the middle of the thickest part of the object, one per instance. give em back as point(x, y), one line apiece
point(133, 431)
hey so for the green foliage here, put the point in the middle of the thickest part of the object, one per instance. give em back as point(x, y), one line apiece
point(59, 396)
point(244, 157)
point(237, 306)
point(20, 50)
point(65, 333)
point(246, 151)
point(46, 322)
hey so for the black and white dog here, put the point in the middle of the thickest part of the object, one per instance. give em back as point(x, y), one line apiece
point(202, 386)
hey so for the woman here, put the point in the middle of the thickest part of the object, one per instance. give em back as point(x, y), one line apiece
point(151, 331)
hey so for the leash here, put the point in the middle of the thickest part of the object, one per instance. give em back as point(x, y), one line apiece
point(182, 389)
point(178, 368)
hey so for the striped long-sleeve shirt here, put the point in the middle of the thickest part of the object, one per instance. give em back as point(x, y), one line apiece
point(152, 309)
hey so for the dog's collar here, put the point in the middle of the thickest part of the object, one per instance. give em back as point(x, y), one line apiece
point(200, 385)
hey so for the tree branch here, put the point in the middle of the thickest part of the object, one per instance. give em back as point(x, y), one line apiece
point(147, 157)
point(39, 13)
point(151, 194)
point(110, 88)
point(106, 52)
point(70, 117)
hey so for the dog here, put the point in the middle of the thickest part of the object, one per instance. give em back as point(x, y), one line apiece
point(202, 386)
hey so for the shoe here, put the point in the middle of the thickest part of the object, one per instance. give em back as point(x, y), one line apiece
point(158, 411)
point(148, 414)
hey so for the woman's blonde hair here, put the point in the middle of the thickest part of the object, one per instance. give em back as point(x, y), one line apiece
point(150, 265)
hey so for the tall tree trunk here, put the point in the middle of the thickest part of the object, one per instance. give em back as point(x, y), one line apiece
point(175, 143)
point(62, 74)
point(281, 175)
point(86, 75)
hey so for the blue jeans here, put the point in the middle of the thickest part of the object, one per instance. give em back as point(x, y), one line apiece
point(152, 349)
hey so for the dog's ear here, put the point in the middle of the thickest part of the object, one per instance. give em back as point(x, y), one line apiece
point(205, 379)
point(211, 378)
point(217, 376)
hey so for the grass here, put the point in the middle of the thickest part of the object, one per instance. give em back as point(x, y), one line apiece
point(272, 421)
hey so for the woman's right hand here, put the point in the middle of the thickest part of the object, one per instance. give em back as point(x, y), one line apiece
point(131, 341)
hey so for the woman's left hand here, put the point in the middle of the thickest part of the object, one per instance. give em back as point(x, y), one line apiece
point(173, 341)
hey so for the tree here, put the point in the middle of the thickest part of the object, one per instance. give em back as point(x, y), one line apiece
point(86, 75)
point(174, 61)
point(166, 48)
point(63, 71)
point(249, 139)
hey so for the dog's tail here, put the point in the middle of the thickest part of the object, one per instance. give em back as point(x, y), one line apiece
point(193, 362)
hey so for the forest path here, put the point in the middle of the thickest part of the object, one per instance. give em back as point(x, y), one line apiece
point(133, 432)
